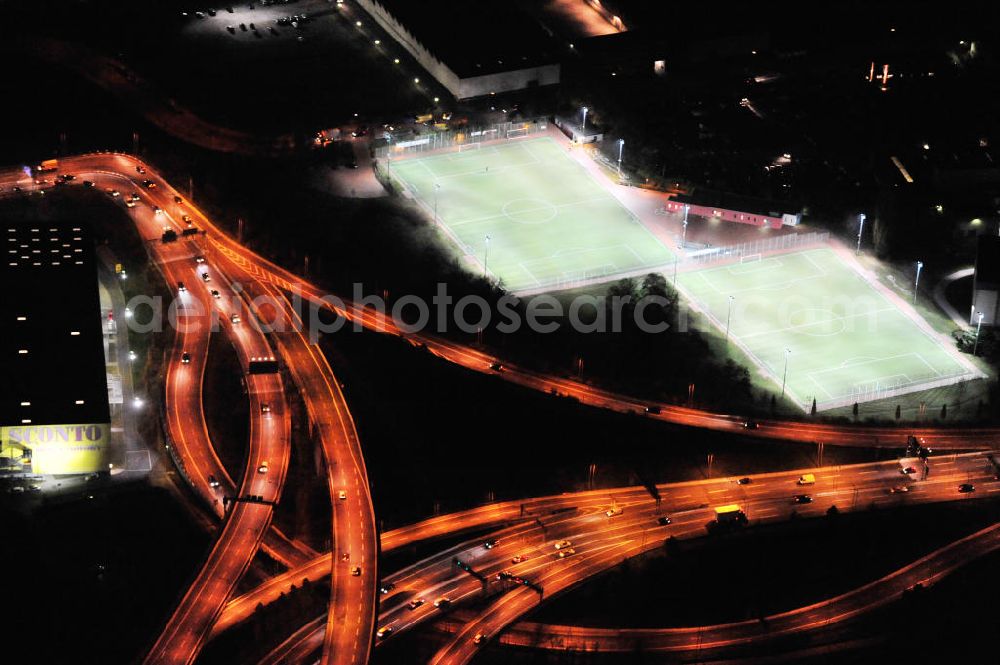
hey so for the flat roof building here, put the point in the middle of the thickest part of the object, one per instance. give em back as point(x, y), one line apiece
point(54, 415)
point(472, 48)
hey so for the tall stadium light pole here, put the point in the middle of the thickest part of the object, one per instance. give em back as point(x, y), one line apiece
point(784, 376)
point(436, 188)
point(621, 147)
point(684, 233)
point(979, 326)
point(388, 156)
point(583, 126)
point(486, 258)
point(916, 282)
point(729, 316)
point(861, 228)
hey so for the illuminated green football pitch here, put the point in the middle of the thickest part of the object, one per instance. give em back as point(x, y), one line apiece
point(844, 339)
point(548, 220)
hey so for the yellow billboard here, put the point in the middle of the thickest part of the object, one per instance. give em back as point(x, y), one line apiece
point(62, 449)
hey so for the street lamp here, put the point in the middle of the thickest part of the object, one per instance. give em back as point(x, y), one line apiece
point(784, 376)
point(621, 147)
point(861, 228)
point(584, 125)
point(979, 326)
point(729, 316)
point(916, 282)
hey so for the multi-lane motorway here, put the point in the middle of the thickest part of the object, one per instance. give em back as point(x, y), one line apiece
point(848, 606)
point(599, 541)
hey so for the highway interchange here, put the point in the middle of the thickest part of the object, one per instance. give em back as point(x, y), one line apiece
point(526, 529)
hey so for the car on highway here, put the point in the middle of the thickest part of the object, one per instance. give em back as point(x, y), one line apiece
point(187, 219)
point(806, 479)
point(135, 197)
point(113, 193)
point(356, 571)
point(496, 367)
point(88, 183)
point(750, 423)
point(519, 558)
point(663, 520)
point(342, 495)
point(263, 467)
point(414, 604)
point(899, 489)
point(149, 184)
point(562, 544)
point(965, 488)
point(569, 551)
point(199, 259)
point(215, 294)
point(235, 318)
point(345, 557)
point(265, 407)
point(442, 603)
point(613, 511)
point(386, 588)
point(383, 632)
point(802, 498)
point(181, 288)
point(185, 358)
point(212, 481)
point(653, 410)
point(744, 481)
point(157, 210)
point(491, 543)
point(907, 471)
point(140, 169)
point(205, 277)
point(129, 203)
point(178, 200)
point(479, 638)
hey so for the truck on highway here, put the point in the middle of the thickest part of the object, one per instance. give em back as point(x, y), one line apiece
point(731, 514)
point(47, 166)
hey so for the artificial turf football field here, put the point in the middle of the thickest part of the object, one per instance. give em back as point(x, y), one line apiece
point(845, 340)
point(548, 220)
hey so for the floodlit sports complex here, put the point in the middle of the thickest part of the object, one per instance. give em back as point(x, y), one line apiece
point(816, 324)
point(528, 214)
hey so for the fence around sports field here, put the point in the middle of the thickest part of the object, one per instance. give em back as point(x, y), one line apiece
point(463, 138)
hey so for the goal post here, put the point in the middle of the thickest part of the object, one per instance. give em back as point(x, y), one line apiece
point(518, 133)
point(750, 258)
point(464, 147)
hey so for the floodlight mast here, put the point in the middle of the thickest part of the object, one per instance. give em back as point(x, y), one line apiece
point(979, 327)
point(684, 233)
point(621, 147)
point(486, 258)
point(861, 228)
point(729, 316)
point(916, 282)
point(583, 125)
point(784, 376)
